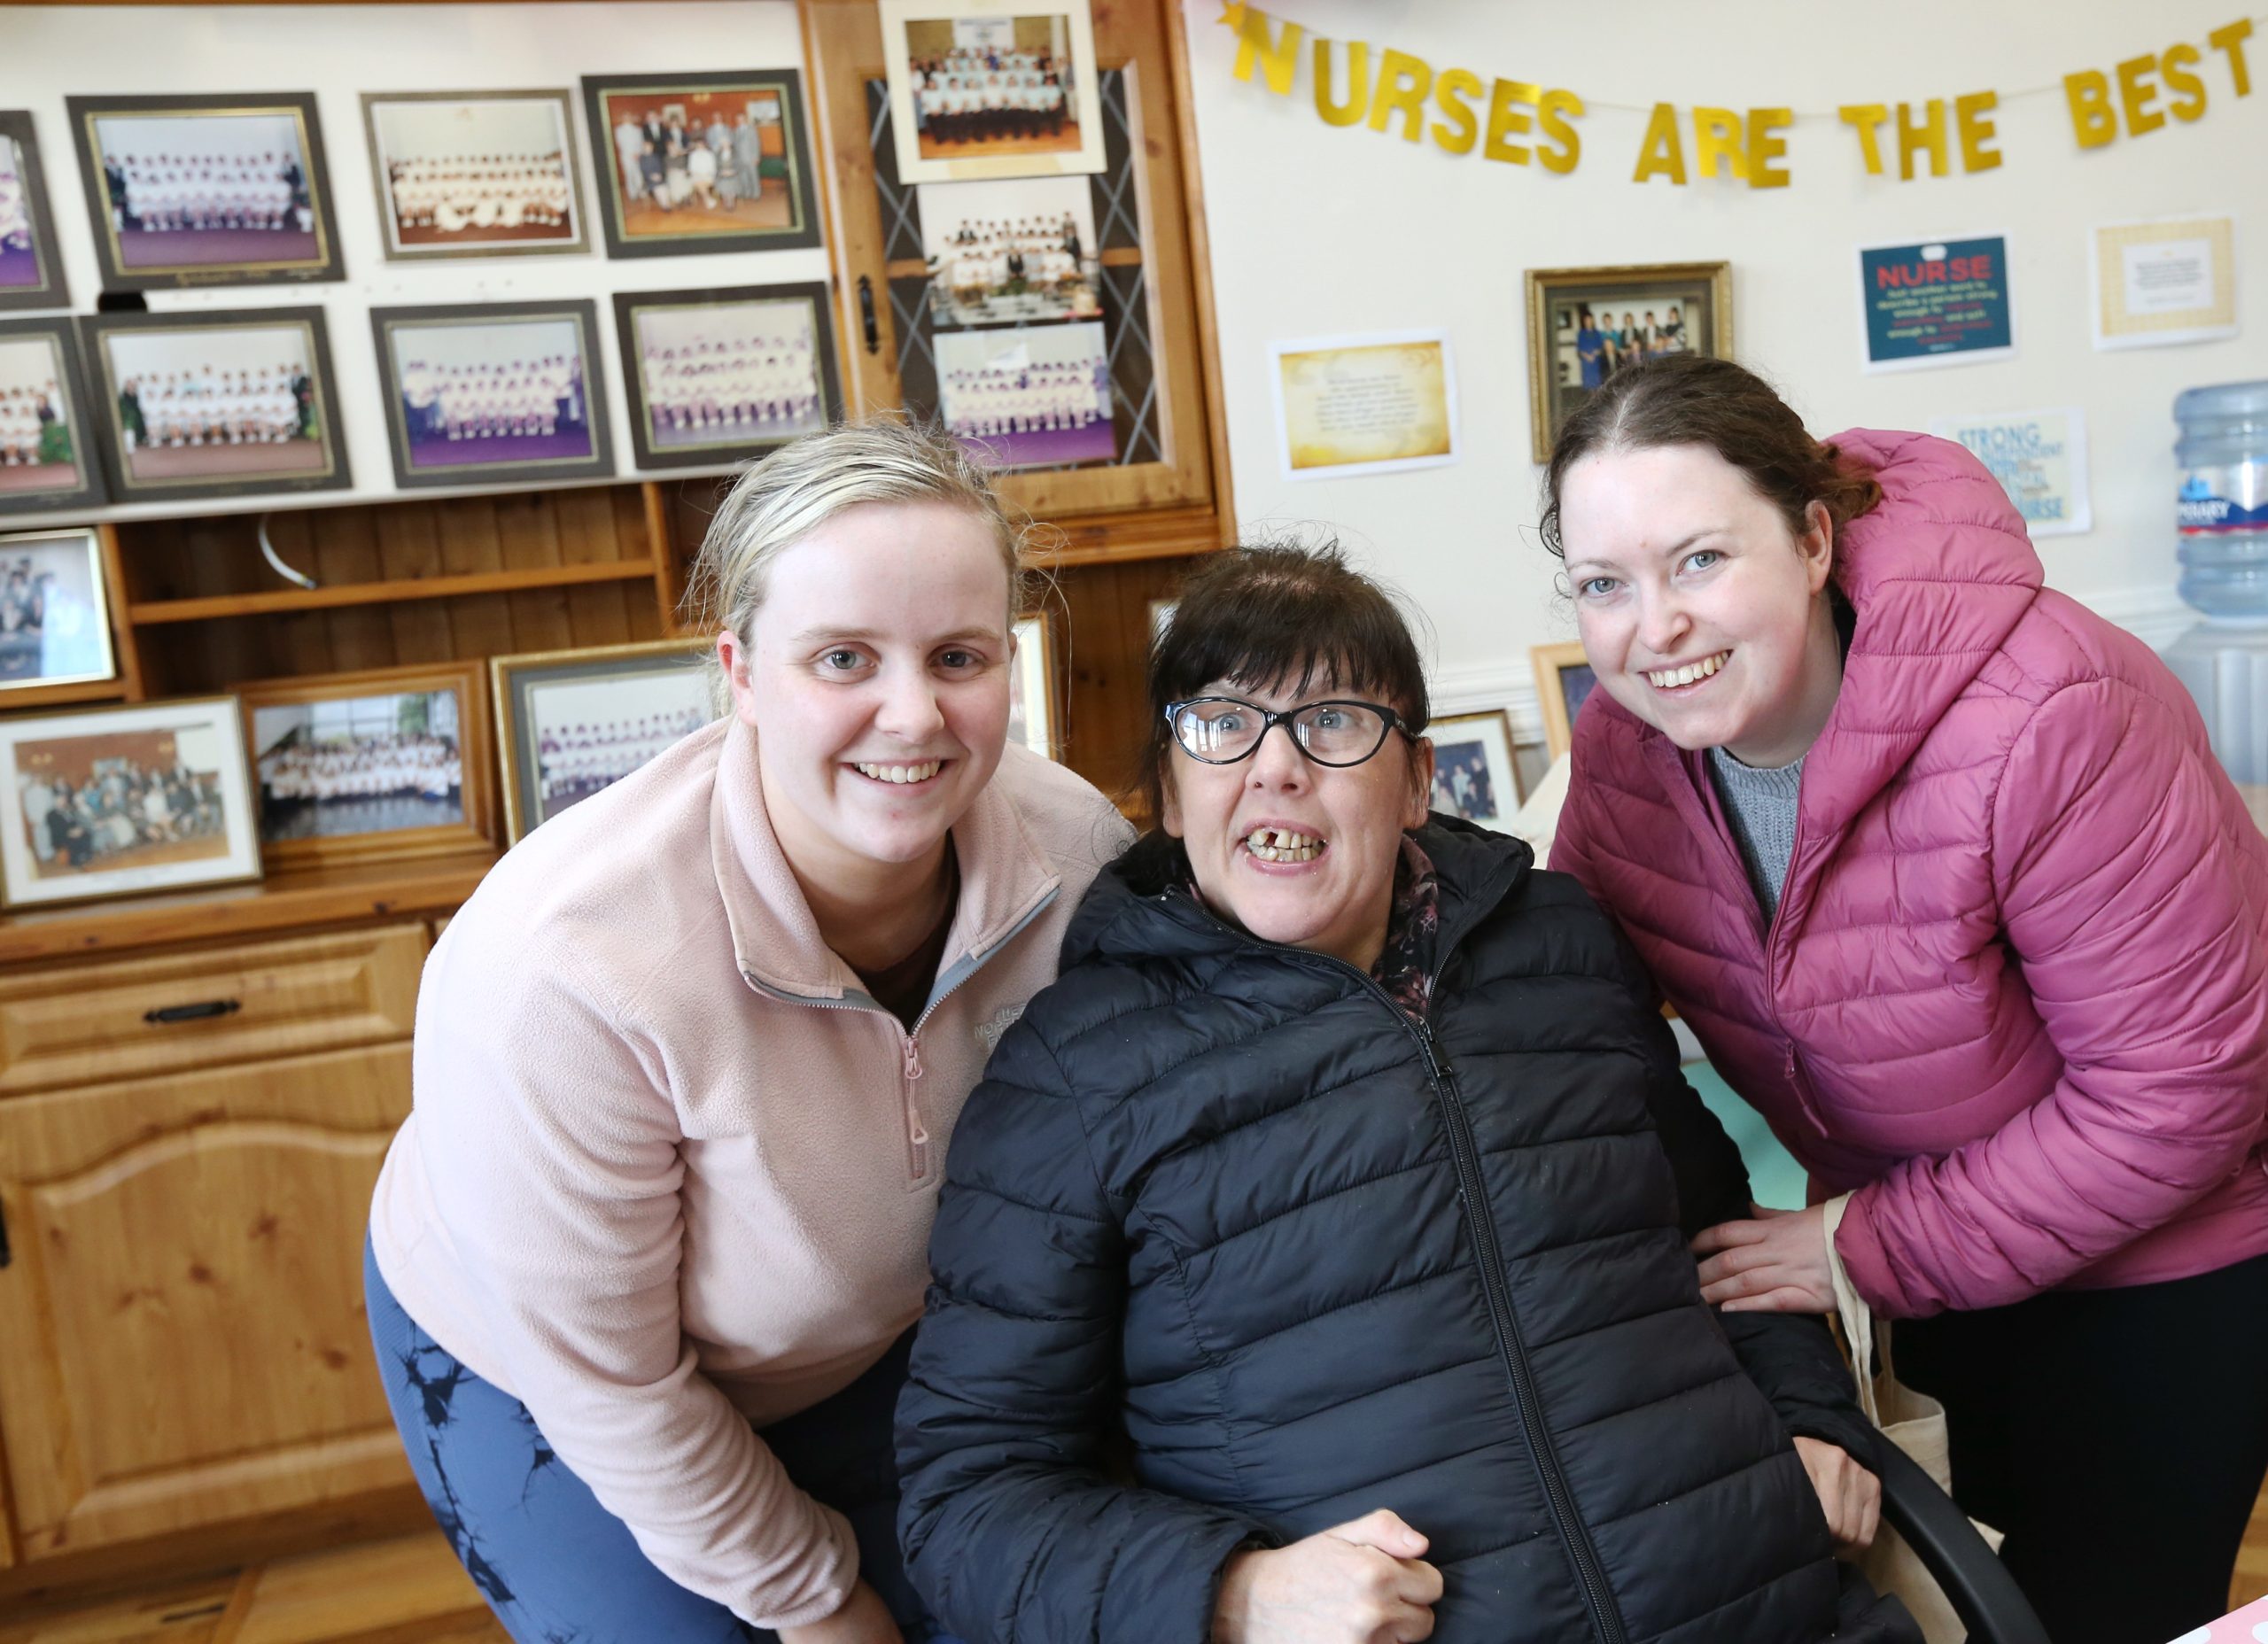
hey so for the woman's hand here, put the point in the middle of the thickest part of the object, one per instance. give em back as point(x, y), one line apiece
point(1774, 1264)
point(863, 1619)
point(1360, 1583)
point(1848, 1495)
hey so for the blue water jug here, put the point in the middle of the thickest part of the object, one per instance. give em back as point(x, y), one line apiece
point(2223, 521)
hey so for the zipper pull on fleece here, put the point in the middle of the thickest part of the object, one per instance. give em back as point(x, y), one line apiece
point(914, 1056)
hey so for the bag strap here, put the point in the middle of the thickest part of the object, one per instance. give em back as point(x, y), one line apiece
point(1858, 1319)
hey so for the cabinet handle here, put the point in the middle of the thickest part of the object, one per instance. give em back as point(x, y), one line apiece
point(866, 320)
point(6, 1256)
point(169, 1013)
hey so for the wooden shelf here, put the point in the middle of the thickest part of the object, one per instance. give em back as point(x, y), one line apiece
point(330, 597)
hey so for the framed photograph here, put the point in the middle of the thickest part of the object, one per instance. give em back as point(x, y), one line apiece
point(216, 403)
point(475, 173)
point(718, 376)
point(206, 189)
point(1031, 689)
point(702, 162)
point(47, 448)
point(2164, 280)
point(982, 89)
point(113, 802)
point(1473, 775)
point(1563, 680)
point(571, 723)
point(1010, 253)
point(1585, 324)
point(484, 393)
point(1036, 397)
point(31, 263)
point(359, 767)
point(54, 610)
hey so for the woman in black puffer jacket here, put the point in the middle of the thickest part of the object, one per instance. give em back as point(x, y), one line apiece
point(1347, 1172)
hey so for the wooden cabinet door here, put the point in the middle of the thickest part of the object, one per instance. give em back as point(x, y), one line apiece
point(182, 1334)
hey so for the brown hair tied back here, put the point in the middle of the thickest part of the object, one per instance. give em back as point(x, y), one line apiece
point(1685, 400)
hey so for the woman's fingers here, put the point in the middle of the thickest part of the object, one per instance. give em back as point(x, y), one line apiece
point(1383, 1529)
point(1728, 1235)
point(1782, 1298)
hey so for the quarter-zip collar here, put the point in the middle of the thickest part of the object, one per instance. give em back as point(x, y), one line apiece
point(1005, 879)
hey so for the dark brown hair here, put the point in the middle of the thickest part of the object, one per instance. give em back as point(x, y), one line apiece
point(1685, 400)
point(1279, 614)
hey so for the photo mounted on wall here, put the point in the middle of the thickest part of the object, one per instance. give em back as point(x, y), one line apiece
point(1473, 775)
point(484, 392)
point(1033, 397)
point(216, 403)
point(47, 453)
point(571, 722)
point(717, 376)
point(110, 801)
point(1010, 253)
point(702, 162)
point(31, 263)
point(1563, 681)
point(364, 766)
point(207, 190)
point(982, 89)
point(1586, 324)
point(54, 610)
point(485, 173)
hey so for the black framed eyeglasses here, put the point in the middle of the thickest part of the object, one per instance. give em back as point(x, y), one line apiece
point(1221, 729)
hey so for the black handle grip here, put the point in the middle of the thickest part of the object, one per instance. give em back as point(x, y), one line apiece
point(201, 1012)
point(867, 322)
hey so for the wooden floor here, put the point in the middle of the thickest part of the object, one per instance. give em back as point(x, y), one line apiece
point(413, 1591)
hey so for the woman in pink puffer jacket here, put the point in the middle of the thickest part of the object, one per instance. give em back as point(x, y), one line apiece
point(1940, 868)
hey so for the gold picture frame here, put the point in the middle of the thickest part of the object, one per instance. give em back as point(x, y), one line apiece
point(1656, 299)
point(1563, 680)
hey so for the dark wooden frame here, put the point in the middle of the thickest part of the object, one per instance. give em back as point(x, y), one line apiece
point(53, 291)
point(81, 417)
point(579, 310)
point(1545, 284)
point(562, 99)
point(510, 677)
point(787, 82)
point(95, 330)
point(723, 453)
point(328, 264)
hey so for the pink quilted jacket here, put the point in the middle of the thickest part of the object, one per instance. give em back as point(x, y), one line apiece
point(2017, 992)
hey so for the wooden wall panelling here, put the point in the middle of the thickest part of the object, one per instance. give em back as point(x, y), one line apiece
point(1106, 663)
point(595, 526)
point(530, 530)
point(482, 624)
point(409, 545)
point(342, 547)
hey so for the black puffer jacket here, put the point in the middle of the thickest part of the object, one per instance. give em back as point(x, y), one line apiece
point(1314, 1260)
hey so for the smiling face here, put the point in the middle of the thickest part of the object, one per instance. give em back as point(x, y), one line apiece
point(1294, 851)
point(1700, 611)
point(877, 682)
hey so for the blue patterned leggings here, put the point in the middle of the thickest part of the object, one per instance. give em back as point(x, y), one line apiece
point(556, 1566)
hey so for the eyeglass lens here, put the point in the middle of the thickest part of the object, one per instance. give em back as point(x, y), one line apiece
point(1330, 732)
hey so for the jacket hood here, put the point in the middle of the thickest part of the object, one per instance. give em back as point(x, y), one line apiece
point(1135, 909)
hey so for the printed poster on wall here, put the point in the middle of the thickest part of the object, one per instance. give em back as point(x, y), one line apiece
point(2040, 459)
point(1936, 302)
point(1373, 404)
point(2167, 280)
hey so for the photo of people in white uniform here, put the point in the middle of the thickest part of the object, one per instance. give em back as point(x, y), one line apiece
point(986, 90)
point(367, 764)
point(1019, 251)
point(721, 376)
point(589, 734)
point(203, 191)
point(19, 261)
point(211, 402)
point(461, 176)
point(1033, 397)
point(40, 445)
point(478, 392)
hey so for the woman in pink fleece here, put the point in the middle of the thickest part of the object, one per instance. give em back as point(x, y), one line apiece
point(1941, 869)
point(646, 1258)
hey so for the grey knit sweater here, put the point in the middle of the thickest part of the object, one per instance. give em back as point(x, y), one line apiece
point(1760, 803)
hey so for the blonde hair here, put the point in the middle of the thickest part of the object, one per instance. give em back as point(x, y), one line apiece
point(779, 501)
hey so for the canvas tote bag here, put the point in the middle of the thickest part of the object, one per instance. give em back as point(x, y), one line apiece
point(1915, 1423)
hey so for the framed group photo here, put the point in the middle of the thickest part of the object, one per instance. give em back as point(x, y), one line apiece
point(702, 162)
point(47, 452)
point(113, 802)
point(1010, 253)
point(483, 394)
point(1564, 681)
point(55, 617)
point(1473, 774)
point(569, 723)
point(216, 403)
point(985, 88)
point(31, 263)
point(200, 190)
point(715, 377)
point(1586, 324)
point(1033, 397)
point(464, 174)
point(361, 767)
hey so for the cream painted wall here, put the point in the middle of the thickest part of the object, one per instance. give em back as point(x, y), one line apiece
point(339, 52)
point(1318, 230)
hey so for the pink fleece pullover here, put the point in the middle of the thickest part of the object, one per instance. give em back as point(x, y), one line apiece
point(2017, 991)
point(669, 1173)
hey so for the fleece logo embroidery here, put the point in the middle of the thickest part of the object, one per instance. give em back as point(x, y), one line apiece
point(989, 1034)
